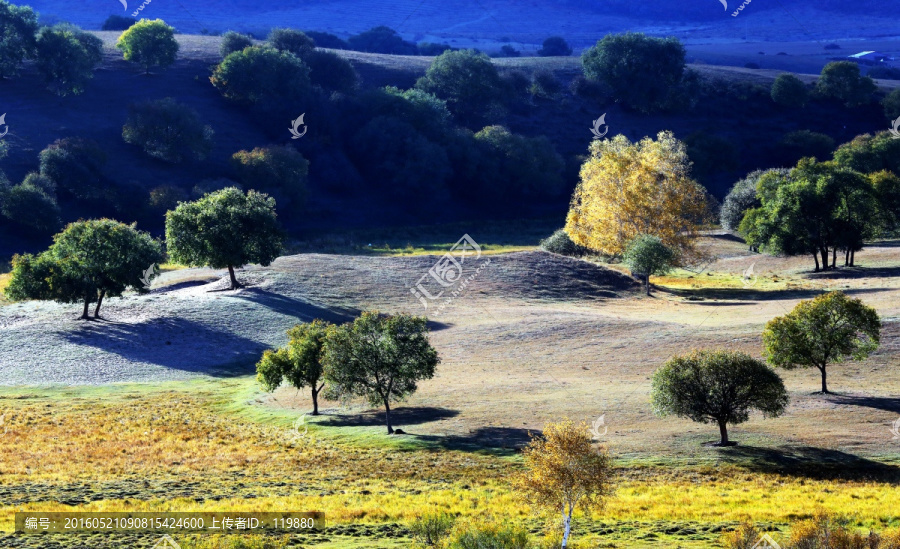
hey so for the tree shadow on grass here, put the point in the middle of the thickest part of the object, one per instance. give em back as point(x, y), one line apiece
point(810, 462)
point(172, 343)
point(500, 440)
point(749, 296)
point(400, 417)
point(289, 306)
point(849, 273)
point(888, 404)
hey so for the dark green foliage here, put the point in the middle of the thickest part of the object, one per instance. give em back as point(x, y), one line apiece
point(841, 80)
point(742, 197)
point(291, 41)
point(803, 144)
point(327, 40)
point(224, 229)
point(299, 362)
point(555, 46)
point(891, 104)
point(36, 179)
point(887, 190)
point(381, 358)
point(710, 154)
point(588, 89)
point(431, 49)
point(66, 57)
point(432, 529)
point(149, 44)
point(18, 27)
point(640, 70)
point(331, 71)
point(646, 255)
point(212, 185)
point(719, 387)
point(165, 197)
point(76, 166)
point(515, 167)
point(168, 130)
point(467, 81)
point(234, 41)
point(789, 91)
point(829, 329)
point(545, 85)
point(381, 40)
point(870, 154)
point(490, 536)
point(884, 73)
point(118, 23)
point(30, 206)
point(278, 171)
point(560, 243)
point(88, 260)
point(509, 51)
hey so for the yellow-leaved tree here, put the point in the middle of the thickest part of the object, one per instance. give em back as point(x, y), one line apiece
point(563, 470)
point(628, 189)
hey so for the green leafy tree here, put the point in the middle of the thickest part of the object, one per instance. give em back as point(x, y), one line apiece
point(149, 44)
point(870, 153)
point(829, 329)
point(278, 171)
point(641, 70)
point(234, 41)
point(224, 229)
point(299, 362)
point(330, 71)
point(804, 144)
point(67, 57)
point(518, 167)
point(168, 130)
point(118, 23)
point(381, 358)
point(742, 197)
point(18, 27)
point(555, 46)
point(382, 40)
point(718, 387)
point(291, 41)
point(35, 179)
point(88, 261)
point(790, 92)
point(646, 255)
point(76, 166)
point(31, 206)
point(887, 190)
point(467, 81)
point(841, 80)
point(891, 104)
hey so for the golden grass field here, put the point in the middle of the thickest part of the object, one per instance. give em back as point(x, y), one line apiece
point(509, 365)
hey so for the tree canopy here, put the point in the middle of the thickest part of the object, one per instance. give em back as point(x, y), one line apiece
point(300, 362)
point(67, 57)
point(18, 29)
point(149, 44)
point(224, 229)
point(168, 130)
point(467, 81)
point(646, 255)
point(841, 80)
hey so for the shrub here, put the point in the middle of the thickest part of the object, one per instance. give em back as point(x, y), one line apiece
point(76, 166)
point(488, 536)
point(234, 41)
point(382, 40)
point(711, 154)
point(118, 23)
point(66, 58)
point(804, 143)
point(646, 255)
point(560, 243)
point(789, 91)
point(331, 71)
point(587, 89)
point(544, 84)
point(167, 130)
point(279, 171)
point(149, 44)
point(166, 197)
point(467, 81)
point(32, 207)
point(891, 104)
point(18, 27)
point(509, 51)
point(211, 185)
point(555, 46)
point(40, 181)
point(519, 166)
point(640, 70)
point(428, 48)
point(885, 73)
point(291, 41)
point(327, 40)
point(841, 80)
point(431, 529)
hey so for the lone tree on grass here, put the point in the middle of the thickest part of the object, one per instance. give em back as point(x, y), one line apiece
point(299, 362)
point(719, 387)
point(225, 228)
point(646, 255)
point(830, 328)
point(564, 471)
point(88, 260)
point(380, 358)
point(149, 44)
point(67, 56)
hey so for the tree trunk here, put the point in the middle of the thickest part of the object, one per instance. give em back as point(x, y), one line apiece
point(847, 258)
point(824, 252)
point(87, 303)
point(723, 433)
point(824, 380)
point(234, 283)
point(315, 397)
point(99, 302)
point(567, 527)
point(834, 258)
point(387, 416)
point(647, 283)
point(816, 257)
point(852, 258)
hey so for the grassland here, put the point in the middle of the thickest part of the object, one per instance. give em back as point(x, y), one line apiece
point(525, 346)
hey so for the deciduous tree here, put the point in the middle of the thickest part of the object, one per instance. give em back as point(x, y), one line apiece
point(168, 130)
point(67, 57)
point(149, 44)
point(300, 362)
point(18, 27)
point(646, 255)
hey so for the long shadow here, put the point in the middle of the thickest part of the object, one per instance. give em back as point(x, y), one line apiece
point(810, 462)
point(303, 310)
point(172, 343)
point(400, 417)
point(888, 404)
point(845, 273)
point(505, 439)
point(746, 296)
